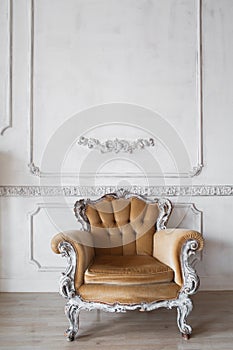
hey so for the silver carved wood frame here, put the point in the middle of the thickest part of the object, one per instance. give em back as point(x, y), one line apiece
point(35, 169)
point(75, 303)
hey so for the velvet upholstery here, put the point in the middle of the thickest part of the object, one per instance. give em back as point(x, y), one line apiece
point(122, 226)
point(128, 269)
point(129, 294)
point(167, 248)
point(83, 247)
point(123, 259)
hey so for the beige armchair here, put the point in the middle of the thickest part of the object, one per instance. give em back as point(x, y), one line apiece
point(124, 259)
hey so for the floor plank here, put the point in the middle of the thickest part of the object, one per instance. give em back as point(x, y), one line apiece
point(37, 321)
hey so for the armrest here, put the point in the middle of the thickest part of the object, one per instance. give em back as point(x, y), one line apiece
point(168, 245)
point(82, 244)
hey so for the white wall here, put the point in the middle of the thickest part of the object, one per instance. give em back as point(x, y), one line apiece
point(106, 69)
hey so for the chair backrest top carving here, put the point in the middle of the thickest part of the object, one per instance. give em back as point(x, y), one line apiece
point(121, 207)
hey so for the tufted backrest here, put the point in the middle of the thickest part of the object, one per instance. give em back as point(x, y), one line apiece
point(122, 225)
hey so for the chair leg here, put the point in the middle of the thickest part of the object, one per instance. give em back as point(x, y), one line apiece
point(72, 313)
point(183, 311)
point(185, 336)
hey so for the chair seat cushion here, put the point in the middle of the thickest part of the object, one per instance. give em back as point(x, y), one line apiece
point(127, 269)
point(128, 294)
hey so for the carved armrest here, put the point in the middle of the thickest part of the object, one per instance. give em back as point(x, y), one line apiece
point(173, 247)
point(77, 247)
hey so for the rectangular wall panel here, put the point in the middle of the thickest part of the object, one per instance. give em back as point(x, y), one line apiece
point(143, 56)
point(5, 65)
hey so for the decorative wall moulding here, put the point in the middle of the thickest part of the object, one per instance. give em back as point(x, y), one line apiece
point(35, 170)
point(6, 48)
point(196, 169)
point(116, 145)
point(32, 246)
point(84, 191)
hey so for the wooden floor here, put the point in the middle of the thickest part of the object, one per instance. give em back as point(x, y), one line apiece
point(36, 321)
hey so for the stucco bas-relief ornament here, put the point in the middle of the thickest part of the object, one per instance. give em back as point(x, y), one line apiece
point(116, 145)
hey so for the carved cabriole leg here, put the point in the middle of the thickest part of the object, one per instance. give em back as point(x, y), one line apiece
point(190, 286)
point(72, 313)
point(183, 309)
point(67, 290)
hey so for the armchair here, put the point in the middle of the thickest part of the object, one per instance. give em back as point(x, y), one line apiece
point(124, 259)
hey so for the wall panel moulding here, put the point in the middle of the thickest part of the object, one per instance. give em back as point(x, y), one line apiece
point(185, 101)
point(84, 191)
point(6, 36)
